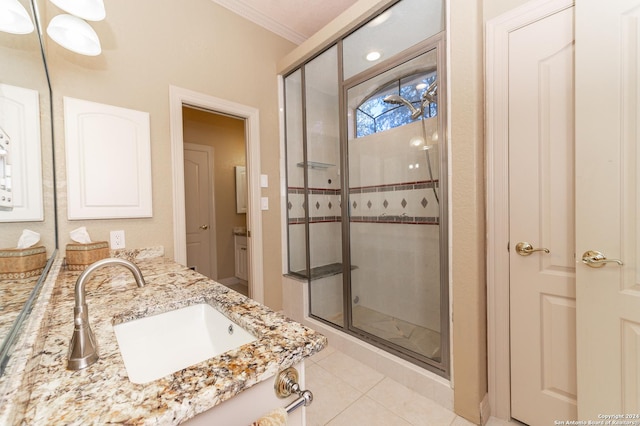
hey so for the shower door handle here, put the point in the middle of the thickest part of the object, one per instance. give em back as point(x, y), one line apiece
point(525, 249)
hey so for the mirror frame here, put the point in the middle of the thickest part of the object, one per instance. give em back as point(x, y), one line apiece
point(14, 332)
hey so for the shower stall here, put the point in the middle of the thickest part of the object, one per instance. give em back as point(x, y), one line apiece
point(366, 184)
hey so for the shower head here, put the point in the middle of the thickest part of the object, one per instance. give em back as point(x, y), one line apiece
point(399, 100)
point(431, 93)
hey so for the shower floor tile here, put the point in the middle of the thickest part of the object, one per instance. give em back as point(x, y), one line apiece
point(410, 336)
point(416, 338)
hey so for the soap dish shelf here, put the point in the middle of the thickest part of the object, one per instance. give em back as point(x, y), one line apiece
point(315, 165)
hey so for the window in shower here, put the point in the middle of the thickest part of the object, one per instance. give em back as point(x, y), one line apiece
point(385, 109)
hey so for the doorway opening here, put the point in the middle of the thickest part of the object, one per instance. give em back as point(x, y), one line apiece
point(182, 100)
point(215, 196)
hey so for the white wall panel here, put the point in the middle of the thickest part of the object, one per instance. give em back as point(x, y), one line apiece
point(108, 161)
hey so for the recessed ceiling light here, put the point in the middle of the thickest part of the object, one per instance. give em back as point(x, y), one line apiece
point(417, 141)
point(379, 19)
point(373, 56)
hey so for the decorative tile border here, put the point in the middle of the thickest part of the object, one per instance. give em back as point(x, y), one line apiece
point(407, 202)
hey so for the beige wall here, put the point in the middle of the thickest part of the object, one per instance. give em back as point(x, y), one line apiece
point(197, 45)
point(226, 136)
point(467, 208)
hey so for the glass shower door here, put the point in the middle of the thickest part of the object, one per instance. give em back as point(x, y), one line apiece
point(314, 195)
point(395, 193)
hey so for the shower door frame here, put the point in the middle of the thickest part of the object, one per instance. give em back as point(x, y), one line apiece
point(437, 42)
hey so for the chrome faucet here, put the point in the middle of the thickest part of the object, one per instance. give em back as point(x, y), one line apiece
point(83, 349)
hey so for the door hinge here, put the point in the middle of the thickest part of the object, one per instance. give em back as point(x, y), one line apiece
point(248, 233)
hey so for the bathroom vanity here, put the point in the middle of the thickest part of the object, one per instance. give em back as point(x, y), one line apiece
point(230, 386)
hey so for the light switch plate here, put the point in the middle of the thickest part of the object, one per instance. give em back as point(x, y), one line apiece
point(264, 203)
point(264, 181)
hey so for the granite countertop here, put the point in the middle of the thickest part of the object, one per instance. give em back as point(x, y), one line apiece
point(14, 293)
point(103, 394)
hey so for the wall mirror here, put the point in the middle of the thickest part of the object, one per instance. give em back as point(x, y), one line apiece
point(23, 74)
point(241, 189)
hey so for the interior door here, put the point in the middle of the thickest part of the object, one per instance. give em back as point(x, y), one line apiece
point(607, 139)
point(541, 206)
point(198, 183)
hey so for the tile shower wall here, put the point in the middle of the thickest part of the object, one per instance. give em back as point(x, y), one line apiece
point(323, 154)
point(394, 223)
point(323, 246)
point(394, 219)
point(394, 266)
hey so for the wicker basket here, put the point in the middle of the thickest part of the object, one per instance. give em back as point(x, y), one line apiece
point(22, 263)
point(79, 256)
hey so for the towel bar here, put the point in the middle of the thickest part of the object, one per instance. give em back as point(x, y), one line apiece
point(286, 384)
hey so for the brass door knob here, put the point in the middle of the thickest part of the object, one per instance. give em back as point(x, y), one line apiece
point(595, 259)
point(205, 227)
point(525, 249)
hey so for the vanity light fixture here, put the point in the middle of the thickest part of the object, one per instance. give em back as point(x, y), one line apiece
point(74, 34)
point(14, 18)
point(90, 10)
point(71, 30)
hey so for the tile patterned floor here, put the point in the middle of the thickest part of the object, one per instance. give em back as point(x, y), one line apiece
point(347, 392)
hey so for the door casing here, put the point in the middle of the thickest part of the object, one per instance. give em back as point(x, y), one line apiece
point(177, 98)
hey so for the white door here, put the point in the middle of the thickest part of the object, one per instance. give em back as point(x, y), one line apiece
point(199, 208)
point(541, 208)
point(607, 178)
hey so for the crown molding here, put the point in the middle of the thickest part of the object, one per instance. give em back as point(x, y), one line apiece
point(241, 8)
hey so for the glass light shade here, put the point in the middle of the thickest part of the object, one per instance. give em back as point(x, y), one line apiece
point(91, 10)
point(74, 34)
point(14, 18)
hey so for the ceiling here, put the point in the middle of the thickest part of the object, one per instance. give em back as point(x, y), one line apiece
point(294, 20)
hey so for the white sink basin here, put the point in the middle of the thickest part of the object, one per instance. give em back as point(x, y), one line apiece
point(158, 345)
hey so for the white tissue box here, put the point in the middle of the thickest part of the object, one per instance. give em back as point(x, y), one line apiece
point(79, 256)
point(22, 263)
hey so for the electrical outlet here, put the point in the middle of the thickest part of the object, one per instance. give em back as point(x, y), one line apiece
point(117, 239)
